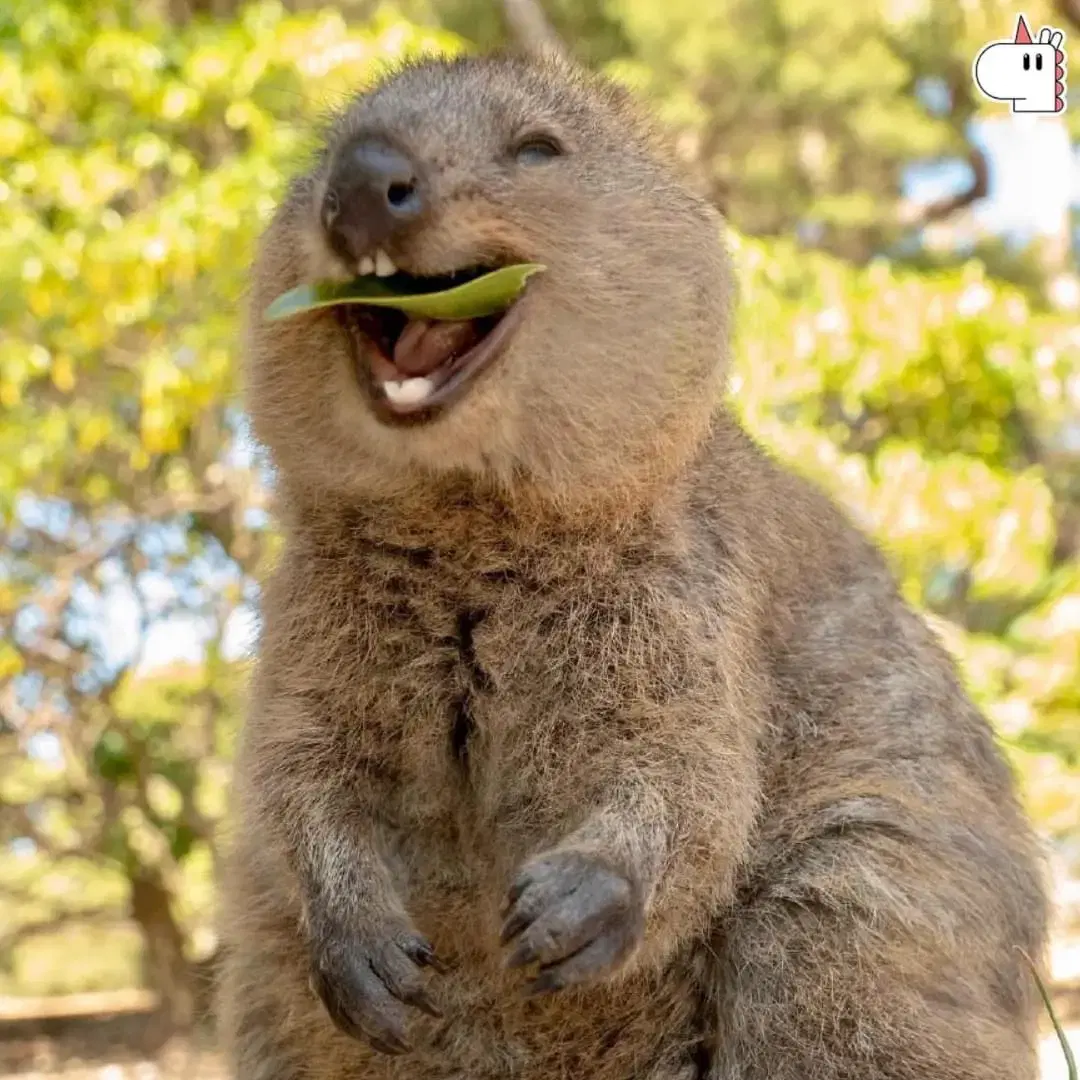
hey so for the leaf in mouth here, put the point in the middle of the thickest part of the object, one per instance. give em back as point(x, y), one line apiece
point(484, 295)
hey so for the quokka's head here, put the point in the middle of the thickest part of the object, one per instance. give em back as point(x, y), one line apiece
point(600, 378)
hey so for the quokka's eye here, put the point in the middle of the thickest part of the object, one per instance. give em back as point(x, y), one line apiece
point(536, 149)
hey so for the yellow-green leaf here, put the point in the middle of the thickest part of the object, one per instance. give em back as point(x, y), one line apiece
point(484, 295)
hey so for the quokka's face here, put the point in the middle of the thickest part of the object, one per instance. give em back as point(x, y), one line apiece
point(451, 168)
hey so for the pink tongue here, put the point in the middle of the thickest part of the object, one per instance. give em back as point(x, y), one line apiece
point(424, 344)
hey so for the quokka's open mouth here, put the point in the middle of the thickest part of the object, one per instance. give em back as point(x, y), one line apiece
point(415, 365)
point(417, 342)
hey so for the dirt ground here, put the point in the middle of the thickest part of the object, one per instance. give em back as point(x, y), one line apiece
point(93, 1055)
point(100, 1052)
point(195, 1064)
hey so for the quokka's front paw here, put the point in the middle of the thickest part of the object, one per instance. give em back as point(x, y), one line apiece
point(573, 914)
point(366, 979)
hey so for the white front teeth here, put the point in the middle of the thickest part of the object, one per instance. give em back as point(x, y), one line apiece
point(384, 265)
point(409, 391)
point(381, 265)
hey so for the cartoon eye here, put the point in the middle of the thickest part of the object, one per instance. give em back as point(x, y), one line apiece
point(1038, 62)
point(1027, 61)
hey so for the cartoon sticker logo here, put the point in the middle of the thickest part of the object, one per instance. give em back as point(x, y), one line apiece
point(1030, 74)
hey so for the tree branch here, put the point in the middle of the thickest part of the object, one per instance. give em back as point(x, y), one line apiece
point(15, 936)
point(19, 822)
point(941, 209)
point(63, 573)
point(531, 30)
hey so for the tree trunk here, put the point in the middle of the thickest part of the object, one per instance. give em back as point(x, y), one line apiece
point(182, 11)
point(166, 970)
point(531, 30)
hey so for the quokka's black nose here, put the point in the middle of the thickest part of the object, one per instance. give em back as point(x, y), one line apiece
point(374, 190)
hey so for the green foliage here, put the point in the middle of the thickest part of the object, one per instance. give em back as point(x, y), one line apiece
point(146, 159)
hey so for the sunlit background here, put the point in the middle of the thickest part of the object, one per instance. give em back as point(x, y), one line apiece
point(909, 337)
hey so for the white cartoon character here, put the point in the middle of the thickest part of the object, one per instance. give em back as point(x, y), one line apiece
point(1030, 74)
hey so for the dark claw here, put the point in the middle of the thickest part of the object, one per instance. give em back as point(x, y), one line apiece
point(521, 956)
point(547, 982)
point(421, 1000)
point(389, 1045)
point(364, 984)
point(522, 882)
point(424, 955)
point(514, 925)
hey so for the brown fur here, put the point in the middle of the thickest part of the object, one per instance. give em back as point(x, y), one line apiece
point(582, 612)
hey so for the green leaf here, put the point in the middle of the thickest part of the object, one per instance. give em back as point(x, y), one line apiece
point(1070, 1061)
point(474, 299)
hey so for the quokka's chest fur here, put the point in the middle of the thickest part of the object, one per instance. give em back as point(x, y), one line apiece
point(461, 690)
